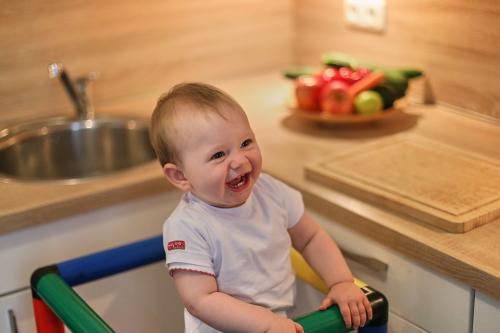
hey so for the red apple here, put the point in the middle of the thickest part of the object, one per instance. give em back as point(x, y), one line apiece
point(307, 92)
point(335, 98)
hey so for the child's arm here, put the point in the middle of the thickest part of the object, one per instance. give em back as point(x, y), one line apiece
point(324, 256)
point(201, 298)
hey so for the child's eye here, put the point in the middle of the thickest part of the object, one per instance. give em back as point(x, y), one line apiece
point(217, 155)
point(246, 143)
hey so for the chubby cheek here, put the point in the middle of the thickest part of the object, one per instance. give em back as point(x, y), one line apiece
point(256, 161)
point(218, 177)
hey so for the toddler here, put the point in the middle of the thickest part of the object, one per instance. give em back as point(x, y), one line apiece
point(228, 241)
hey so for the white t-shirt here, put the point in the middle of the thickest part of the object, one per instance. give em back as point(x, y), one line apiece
point(246, 248)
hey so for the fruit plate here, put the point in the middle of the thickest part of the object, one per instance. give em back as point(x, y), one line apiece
point(353, 118)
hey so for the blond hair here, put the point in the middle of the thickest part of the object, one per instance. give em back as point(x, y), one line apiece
point(205, 98)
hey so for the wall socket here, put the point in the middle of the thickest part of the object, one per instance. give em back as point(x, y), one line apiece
point(365, 14)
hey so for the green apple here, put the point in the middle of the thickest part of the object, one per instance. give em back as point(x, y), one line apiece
point(368, 102)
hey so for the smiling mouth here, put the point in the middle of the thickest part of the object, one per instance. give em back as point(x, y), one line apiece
point(239, 183)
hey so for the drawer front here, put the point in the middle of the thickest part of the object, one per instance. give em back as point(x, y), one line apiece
point(425, 298)
point(486, 314)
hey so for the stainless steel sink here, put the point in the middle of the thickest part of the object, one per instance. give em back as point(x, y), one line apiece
point(71, 149)
point(76, 148)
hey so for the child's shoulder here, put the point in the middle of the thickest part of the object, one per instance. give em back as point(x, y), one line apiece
point(185, 212)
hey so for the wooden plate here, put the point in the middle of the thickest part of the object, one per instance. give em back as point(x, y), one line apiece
point(353, 118)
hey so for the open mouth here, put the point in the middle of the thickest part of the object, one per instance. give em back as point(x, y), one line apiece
point(239, 183)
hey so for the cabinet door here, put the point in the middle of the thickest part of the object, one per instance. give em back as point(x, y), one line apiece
point(425, 298)
point(486, 314)
point(20, 305)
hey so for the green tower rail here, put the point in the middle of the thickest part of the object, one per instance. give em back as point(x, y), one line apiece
point(76, 314)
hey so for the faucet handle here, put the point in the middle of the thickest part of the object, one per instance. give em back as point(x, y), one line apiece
point(82, 84)
point(56, 70)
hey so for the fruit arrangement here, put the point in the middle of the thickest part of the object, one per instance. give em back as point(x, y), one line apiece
point(347, 86)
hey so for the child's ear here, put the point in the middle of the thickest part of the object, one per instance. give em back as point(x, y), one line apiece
point(176, 177)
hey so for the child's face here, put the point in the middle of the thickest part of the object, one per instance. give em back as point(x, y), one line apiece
point(220, 157)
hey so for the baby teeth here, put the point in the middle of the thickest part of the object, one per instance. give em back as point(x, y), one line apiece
point(238, 182)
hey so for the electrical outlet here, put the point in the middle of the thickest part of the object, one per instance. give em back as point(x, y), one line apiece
point(365, 14)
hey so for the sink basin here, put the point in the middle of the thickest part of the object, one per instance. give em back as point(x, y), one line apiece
point(69, 149)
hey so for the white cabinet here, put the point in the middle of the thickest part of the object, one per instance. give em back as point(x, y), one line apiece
point(486, 314)
point(426, 299)
point(131, 299)
point(20, 305)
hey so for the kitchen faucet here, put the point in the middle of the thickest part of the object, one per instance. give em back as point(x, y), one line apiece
point(77, 91)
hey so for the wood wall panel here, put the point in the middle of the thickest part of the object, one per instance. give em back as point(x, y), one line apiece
point(147, 46)
point(457, 43)
point(137, 46)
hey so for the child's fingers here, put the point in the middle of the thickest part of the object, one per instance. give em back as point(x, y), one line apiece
point(326, 303)
point(299, 328)
point(346, 314)
point(368, 308)
point(356, 319)
point(362, 314)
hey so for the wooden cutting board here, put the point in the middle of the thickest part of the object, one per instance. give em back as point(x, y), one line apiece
point(441, 185)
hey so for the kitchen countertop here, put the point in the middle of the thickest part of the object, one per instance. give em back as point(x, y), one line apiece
point(287, 144)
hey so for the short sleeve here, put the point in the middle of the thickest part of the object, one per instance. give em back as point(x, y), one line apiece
point(186, 246)
point(290, 198)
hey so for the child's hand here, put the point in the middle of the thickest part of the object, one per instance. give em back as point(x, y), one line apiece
point(353, 304)
point(281, 324)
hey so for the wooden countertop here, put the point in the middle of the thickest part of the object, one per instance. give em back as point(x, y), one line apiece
point(287, 144)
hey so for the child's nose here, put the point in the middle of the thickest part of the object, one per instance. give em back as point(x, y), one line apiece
point(238, 161)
